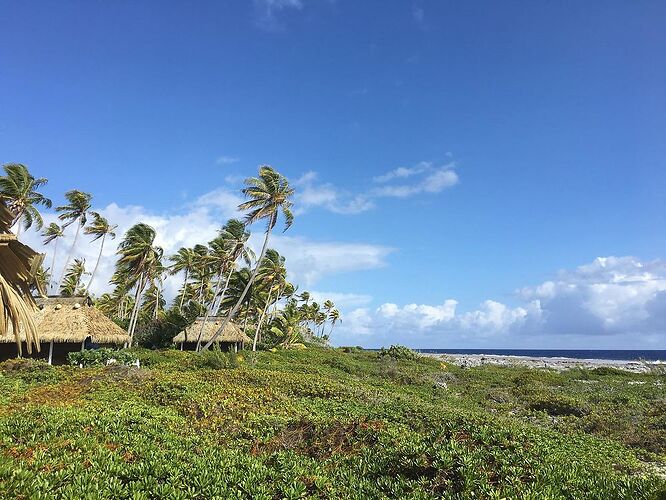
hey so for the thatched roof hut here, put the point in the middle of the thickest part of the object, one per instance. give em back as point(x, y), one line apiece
point(18, 266)
point(71, 321)
point(231, 335)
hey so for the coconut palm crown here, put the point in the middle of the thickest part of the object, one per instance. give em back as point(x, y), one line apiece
point(19, 187)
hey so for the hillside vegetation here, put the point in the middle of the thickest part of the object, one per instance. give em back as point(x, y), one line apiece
point(329, 424)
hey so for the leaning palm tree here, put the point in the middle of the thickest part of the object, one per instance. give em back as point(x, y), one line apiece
point(52, 233)
point(225, 250)
point(75, 211)
point(19, 188)
point(183, 260)
point(268, 195)
point(333, 317)
point(138, 264)
point(72, 283)
point(99, 228)
point(272, 275)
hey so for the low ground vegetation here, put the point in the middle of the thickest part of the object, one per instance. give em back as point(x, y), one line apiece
point(326, 423)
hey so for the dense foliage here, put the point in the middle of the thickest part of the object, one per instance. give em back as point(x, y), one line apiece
point(329, 424)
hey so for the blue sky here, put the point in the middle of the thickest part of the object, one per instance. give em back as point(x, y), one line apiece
point(529, 138)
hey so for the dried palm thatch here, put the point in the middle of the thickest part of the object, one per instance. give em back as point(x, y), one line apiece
point(18, 266)
point(72, 320)
point(231, 332)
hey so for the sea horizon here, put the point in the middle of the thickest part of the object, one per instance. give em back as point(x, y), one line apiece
point(605, 354)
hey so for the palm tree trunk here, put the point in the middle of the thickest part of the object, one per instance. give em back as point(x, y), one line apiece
point(182, 297)
point(224, 292)
point(157, 302)
point(233, 311)
point(211, 308)
point(69, 256)
point(55, 250)
point(99, 257)
point(135, 311)
point(261, 320)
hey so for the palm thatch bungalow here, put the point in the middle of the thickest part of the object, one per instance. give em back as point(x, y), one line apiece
point(231, 339)
point(18, 267)
point(67, 324)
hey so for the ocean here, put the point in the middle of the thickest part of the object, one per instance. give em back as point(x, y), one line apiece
point(615, 354)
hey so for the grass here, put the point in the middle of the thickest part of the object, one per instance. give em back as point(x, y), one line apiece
point(328, 424)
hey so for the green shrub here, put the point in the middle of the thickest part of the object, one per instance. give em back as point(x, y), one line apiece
point(100, 357)
point(398, 352)
point(216, 360)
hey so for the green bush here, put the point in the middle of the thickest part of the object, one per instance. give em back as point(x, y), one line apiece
point(398, 352)
point(100, 357)
point(216, 359)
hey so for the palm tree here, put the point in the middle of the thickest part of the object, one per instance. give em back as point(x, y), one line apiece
point(334, 317)
point(20, 189)
point(183, 260)
point(328, 307)
point(53, 232)
point(272, 275)
point(287, 324)
point(268, 196)
point(71, 284)
point(75, 211)
point(138, 264)
point(233, 236)
point(99, 228)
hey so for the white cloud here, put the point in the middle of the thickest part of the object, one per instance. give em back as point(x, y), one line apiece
point(226, 160)
point(311, 194)
point(341, 300)
point(431, 179)
point(307, 261)
point(427, 178)
point(266, 12)
point(619, 299)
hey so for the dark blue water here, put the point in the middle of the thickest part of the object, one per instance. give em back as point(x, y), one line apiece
point(628, 355)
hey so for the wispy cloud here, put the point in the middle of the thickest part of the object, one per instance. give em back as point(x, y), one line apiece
point(311, 193)
point(266, 12)
point(226, 160)
point(424, 177)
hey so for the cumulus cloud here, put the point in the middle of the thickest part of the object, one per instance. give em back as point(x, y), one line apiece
point(308, 261)
point(621, 299)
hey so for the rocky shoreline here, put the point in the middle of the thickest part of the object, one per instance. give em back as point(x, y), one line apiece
point(472, 360)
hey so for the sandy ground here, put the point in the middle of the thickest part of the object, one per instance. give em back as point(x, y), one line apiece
point(471, 360)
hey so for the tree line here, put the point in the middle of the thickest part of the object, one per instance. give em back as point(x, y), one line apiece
point(221, 278)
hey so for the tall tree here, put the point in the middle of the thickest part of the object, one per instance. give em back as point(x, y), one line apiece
point(272, 275)
point(99, 228)
point(76, 211)
point(137, 265)
point(52, 233)
point(19, 187)
point(72, 284)
point(183, 260)
point(333, 317)
point(225, 250)
point(268, 195)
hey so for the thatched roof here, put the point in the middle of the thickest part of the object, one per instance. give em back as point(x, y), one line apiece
point(231, 332)
point(18, 266)
point(71, 320)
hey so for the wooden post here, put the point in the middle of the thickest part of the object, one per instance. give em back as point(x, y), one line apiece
point(235, 346)
point(51, 352)
point(181, 345)
point(83, 345)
